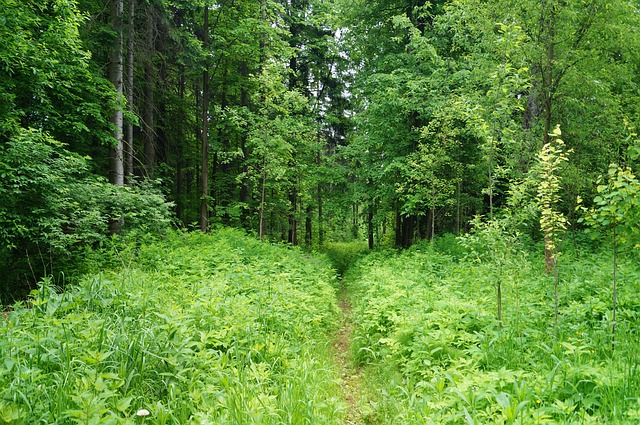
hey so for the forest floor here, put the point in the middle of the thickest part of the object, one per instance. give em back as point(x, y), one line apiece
point(351, 375)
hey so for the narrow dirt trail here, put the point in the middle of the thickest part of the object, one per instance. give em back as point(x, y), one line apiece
point(351, 375)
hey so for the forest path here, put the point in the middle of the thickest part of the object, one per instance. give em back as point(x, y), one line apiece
point(351, 375)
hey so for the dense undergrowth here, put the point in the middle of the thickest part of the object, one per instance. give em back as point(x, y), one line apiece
point(426, 330)
point(196, 329)
point(343, 255)
point(223, 329)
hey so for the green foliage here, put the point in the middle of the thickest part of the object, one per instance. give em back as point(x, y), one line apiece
point(552, 221)
point(432, 352)
point(495, 242)
point(490, 241)
point(51, 206)
point(200, 329)
point(343, 255)
point(616, 211)
point(45, 78)
point(450, 245)
point(617, 205)
point(463, 92)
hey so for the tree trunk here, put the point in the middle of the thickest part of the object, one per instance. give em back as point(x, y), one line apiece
point(432, 224)
point(549, 261)
point(370, 226)
point(499, 288)
point(293, 221)
point(180, 157)
point(490, 175)
point(128, 154)
point(149, 105)
point(263, 35)
point(308, 238)
point(458, 218)
point(548, 255)
point(398, 228)
point(407, 239)
point(244, 186)
point(204, 198)
point(263, 225)
point(404, 230)
point(549, 82)
point(355, 233)
point(196, 176)
point(116, 71)
point(320, 219)
point(615, 289)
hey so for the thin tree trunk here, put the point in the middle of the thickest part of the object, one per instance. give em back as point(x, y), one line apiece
point(180, 158)
point(549, 262)
point(500, 302)
point(309, 227)
point(204, 198)
point(244, 186)
point(433, 212)
point(549, 78)
point(370, 226)
point(320, 219)
point(196, 177)
point(354, 225)
point(293, 220)
point(548, 255)
point(458, 189)
point(398, 228)
point(490, 165)
point(555, 298)
point(263, 35)
point(129, 142)
point(149, 105)
point(615, 288)
point(263, 227)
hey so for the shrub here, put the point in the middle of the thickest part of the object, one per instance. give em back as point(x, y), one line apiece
point(51, 205)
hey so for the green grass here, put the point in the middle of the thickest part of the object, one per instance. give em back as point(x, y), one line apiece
point(197, 329)
point(427, 334)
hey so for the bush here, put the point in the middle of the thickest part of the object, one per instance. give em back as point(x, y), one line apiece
point(51, 206)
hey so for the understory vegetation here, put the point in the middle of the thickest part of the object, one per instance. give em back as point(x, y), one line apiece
point(218, 329)
point(428, 336)
point(225, 329)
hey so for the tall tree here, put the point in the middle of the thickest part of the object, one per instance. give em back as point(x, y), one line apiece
point(128, 145)
point(116, 76)
point(149, 128)
point(204, 200)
